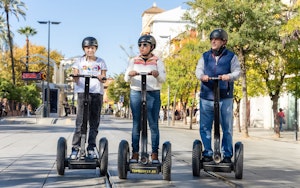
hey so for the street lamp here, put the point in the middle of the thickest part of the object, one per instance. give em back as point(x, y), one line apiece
point(48, 67)
point(168, 108)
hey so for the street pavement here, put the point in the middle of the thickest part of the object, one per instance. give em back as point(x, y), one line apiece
point(28, 151)
point(262, 133)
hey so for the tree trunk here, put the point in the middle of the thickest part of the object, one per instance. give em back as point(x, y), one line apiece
point(27, 53)
point(191, 109)
point(173, 110)
point(274, 99)
point(245, 96)
point(11, 48)
point(193, 105)
point(237, 115)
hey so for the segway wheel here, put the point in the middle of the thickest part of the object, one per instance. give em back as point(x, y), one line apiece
point(196, 157)
point(123, 159)
point(238, 160)
point(103, 156)
point(166, 161)
point(61, 155)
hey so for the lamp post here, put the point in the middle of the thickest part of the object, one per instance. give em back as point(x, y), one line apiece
point(48, 67)
point(168, 105)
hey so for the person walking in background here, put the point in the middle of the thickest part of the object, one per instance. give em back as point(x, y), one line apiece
point(161, 115)
point(5, 107)
point(1, 107)
point(222, 63)
point(88, 64)
point(23, 110)
point(66, 107)
point(29, 110)
point(281, 117)
point(146, 61)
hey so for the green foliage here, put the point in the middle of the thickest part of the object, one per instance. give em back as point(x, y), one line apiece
point(118, 88)
point(181, 68)
point(31, 95)
point(27, 31)
point(28, 94)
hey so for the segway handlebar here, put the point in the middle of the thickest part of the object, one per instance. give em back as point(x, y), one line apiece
point(86, 76)
point(214, 78)
point(144, 73)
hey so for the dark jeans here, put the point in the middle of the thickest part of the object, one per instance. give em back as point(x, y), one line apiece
point(93, 118)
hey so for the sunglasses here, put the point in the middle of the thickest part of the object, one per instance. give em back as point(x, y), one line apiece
point(143, 44)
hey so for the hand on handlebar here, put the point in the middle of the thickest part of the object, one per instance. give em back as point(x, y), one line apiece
point(132, 73)
point(155, 73)
point(224, 77)
point(101, 78)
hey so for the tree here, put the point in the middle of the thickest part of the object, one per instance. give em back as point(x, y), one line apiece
point(36, 63)
point(3, 34)
point(118, 88)
point(250, 25)
point(14, 7)
point(180, 68)
point(27, 31)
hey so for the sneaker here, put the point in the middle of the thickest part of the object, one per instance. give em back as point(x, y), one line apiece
point(207, 159)
point(134, 158)
point(74, 154)
point(154, 158)
point(226, 160)
point(92, 154)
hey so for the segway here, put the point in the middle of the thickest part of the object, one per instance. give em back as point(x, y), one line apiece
point(144, 166)
point(83, 161)
point(216, 165)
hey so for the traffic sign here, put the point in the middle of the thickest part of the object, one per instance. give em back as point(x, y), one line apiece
point(31, 76)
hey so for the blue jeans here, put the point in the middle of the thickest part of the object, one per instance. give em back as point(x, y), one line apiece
point(153, 107)
point(226, 121)
point(93, 118)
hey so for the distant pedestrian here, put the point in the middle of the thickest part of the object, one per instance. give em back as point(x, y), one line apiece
point(66, 107)
point(161, 115)
point(29, 110)
point(281, 117)
point(1, 107)
point(5, 107)
point(23, 110)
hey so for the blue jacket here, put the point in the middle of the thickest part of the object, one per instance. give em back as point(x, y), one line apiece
point(226, 64)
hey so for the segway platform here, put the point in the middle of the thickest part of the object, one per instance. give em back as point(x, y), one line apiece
point(150, 168)
point(83, 163)
point(218, 167)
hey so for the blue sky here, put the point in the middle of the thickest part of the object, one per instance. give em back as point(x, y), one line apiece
point(113, 23)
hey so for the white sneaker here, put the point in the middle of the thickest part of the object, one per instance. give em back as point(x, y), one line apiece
point(74, 154)
point(92, 154)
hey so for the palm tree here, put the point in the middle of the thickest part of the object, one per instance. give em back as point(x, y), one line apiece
point(13, 7)
point(3, 35)
point(27, 31)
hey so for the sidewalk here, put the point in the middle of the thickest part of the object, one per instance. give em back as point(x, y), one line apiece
point(285, 136)
point(35, 120)
point(254, 133)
